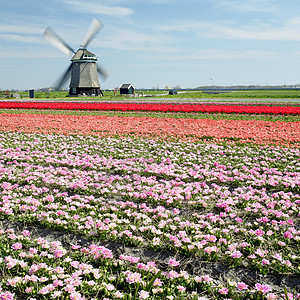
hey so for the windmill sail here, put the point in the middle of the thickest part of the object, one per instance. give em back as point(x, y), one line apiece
point(93, 30)
point(57, 42)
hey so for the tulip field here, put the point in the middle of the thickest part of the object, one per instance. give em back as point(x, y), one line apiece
point(97, 206)
point(164, 107)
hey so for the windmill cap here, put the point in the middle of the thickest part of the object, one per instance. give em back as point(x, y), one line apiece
point(84, 54)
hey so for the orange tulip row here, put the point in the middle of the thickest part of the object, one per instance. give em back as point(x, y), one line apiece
point(255, 131)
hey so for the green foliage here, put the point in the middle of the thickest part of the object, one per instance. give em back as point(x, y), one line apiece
point(234, 95)
point(261, 94)
point(192, 94)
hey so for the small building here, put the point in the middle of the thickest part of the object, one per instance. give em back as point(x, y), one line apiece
point(127, 89)
point(31, 93)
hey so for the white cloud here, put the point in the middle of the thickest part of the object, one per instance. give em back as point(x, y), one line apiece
point(29, 53)
point(249, 6)
point(21, 29)
point(162, 1)
point(214, 54)
point(131, 40)
point(289, 31)
point(20, 38)
point(21, 33)
point(96, 8)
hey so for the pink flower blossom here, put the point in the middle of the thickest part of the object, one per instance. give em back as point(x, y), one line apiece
point(232, 247)
point(265, 262)
point(58, 283)
point(6, 296)
point(59, 253)
point(44, 291)
point(76, 296)
point(223, 291)
point(211, 249)
point(11, 262)
point(133, 277)
point(259, 232)
point(287, 263)
point(110, 287)
point(288, 235)
point(245, 244)
point(205, 278)
point(280, 243)
point(56, 294)
point(70, 288)
point(173, 262)
point(173, 274)
point(210, 238)
point(17, 246)
point(75, 247)
point(143, 294)
point(33, 250)
point(291, 296)
point(261, 252)
point(157, 282)
point(242, 286)
point(118, 295)
point(236, 254)
point(181, 288)
point(29, 289)
point(263, 288)
point(26, 233)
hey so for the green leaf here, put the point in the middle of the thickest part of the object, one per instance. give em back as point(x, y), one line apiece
point(149, 286)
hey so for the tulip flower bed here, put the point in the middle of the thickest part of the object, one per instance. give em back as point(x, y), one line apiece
point(235, 206)
point(163, 107)
point(243, 131)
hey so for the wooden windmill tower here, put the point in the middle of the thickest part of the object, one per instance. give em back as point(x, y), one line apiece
point(84, 68)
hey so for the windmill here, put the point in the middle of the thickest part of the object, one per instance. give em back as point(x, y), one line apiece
point(83, 68)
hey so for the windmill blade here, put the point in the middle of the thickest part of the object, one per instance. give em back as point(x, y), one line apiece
point(57, 42)
point(93, 30)
point(63, 78)
point(102, 72)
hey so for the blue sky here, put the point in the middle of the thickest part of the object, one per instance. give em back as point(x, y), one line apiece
point(155, 43)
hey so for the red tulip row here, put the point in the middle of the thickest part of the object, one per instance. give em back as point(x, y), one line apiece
point(243, 109)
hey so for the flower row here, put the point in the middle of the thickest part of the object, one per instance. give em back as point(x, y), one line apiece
point(245, 131)
point(35, 267)
point(165, 107)
point(185, 162)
